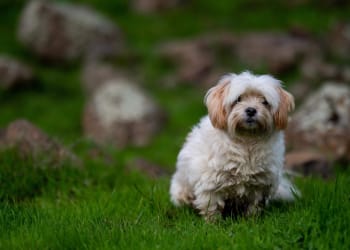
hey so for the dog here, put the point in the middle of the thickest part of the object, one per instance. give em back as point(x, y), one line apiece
point(235, 155)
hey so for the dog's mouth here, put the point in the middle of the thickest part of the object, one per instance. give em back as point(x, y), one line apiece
point(250, 126)
point(251, 122)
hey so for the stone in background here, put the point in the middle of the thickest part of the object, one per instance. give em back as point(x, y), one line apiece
point(14, 74)
point(31, 141)
point(118, 111)
point(322, 123)
point(62, 32)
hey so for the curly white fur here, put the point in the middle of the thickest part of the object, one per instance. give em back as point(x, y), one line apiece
point(231, 156)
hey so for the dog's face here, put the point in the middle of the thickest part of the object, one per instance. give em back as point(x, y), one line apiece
point(250, 114)
point(249, 105)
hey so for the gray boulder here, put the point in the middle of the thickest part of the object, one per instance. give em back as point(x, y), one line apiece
point(119, 112)
point(31, 141)
point(197, 60)
point(322, 123)
point(308, 163)
point(58, 31)
point(14, 73)
point(201, 60)
point(318, 70)
point(277, 51)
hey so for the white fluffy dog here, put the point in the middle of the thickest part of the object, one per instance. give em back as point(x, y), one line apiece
point(235, 156)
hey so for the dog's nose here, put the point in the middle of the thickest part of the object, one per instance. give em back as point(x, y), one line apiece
point(250, 111)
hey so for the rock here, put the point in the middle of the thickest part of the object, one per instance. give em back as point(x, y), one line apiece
point(14, 74)
point(197, 60)
point(194, 59)
point(277, 52)
point(150, 6)
point(338, 41)
point(149, 169)
point(309, 163)
point(317, 70)
point(59, 32)
point(31, 141)
point(322, 123)
point(120, 113)
point(300, 90)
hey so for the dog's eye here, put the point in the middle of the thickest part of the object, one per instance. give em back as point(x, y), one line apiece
point(265, 103)
point(238, 99)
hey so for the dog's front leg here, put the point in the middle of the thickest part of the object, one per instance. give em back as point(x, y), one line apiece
point(209, 204)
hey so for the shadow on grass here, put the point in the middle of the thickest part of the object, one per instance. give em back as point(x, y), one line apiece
point(229, 215)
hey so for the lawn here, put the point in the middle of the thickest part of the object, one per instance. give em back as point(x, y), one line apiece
point(104, 206)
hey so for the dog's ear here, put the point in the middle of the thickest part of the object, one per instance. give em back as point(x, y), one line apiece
point(214, 100)
point(286, 105)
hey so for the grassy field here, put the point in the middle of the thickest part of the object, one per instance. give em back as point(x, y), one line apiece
point(103, 206)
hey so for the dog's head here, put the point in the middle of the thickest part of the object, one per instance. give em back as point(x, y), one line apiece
point(249, 105)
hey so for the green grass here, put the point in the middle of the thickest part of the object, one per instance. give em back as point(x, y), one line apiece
point(108, 208)
point(102, 206)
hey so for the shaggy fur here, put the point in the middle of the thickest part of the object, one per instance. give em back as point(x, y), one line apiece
point(235, 155)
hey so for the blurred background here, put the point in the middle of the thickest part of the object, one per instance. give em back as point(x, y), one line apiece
point(125, 80)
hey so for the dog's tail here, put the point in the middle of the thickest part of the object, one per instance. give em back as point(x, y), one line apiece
point(286, 191)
